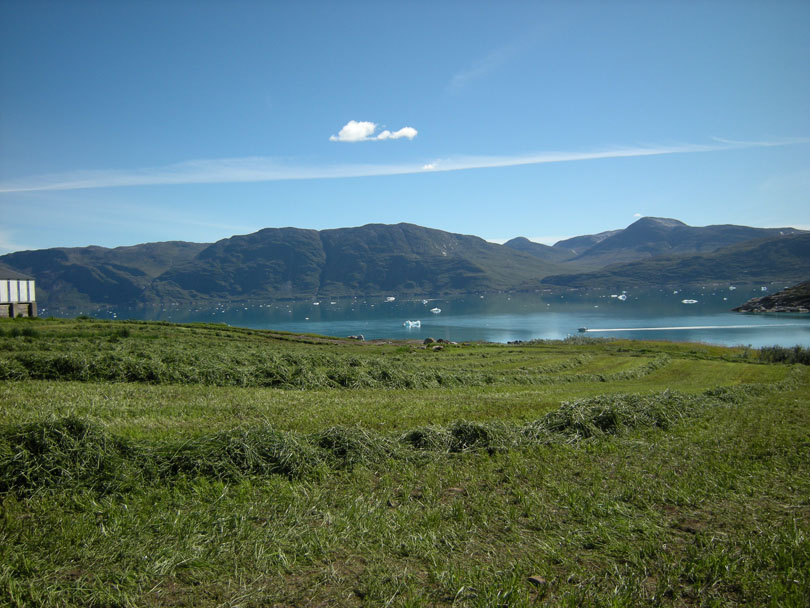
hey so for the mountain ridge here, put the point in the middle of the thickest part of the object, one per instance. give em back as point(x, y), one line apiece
point(404, 258)
point(785, 258)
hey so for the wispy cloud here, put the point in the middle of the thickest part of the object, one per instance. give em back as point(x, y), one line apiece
point(259, 169)
point(483, 67)
point(7, 243)
point(354, 131)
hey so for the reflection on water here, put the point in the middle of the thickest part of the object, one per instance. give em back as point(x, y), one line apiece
point(651, 314)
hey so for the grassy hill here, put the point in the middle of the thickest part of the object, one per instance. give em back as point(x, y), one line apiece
point(147, 464)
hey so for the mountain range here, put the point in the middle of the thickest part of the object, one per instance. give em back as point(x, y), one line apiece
point(380, 259)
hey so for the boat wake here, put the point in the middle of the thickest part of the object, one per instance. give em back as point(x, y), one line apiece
point(686, 327)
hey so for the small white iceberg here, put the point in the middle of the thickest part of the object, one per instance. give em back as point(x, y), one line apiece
point(410, 324)
point(435, 311)
point(621, 297)
point(390, 299)
point(690, 301)
point(424, 301)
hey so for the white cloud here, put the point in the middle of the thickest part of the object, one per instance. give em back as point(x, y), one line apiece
point(354, 131)
point(258, 169)
point(408, 132)
point(637, 215)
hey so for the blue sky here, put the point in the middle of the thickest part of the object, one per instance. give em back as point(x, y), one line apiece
point(130, 122)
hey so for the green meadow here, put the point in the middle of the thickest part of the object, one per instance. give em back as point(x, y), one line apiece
point(157, 464)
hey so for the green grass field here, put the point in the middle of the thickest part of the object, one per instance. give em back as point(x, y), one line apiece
point(151, 464)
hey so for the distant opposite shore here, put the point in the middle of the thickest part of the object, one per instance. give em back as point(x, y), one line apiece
point(792, 299)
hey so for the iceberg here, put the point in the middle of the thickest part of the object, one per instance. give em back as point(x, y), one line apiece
point(410, 324)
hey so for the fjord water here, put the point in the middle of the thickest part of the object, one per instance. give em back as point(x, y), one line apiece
point(650, 315)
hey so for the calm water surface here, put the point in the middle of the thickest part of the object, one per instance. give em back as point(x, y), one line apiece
point(649, 315)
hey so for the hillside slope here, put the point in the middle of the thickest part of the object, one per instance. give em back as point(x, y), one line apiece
point(785, 259)
point(87, 276)
point(371, 259)
point(652, 237)
point(278, 263)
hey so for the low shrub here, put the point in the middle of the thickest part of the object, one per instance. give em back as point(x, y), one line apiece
point(781, 354)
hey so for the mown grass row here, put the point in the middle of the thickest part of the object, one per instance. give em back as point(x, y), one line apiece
point(282, 369)
point(165, 493)
point(73, 452)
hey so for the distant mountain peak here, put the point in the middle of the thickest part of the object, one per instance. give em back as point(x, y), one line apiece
point(654, 225)
point(663, 222)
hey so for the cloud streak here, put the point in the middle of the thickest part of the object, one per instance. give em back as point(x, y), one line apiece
point(482, 68)
point(260, 169)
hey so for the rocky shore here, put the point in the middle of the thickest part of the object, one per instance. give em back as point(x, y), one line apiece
point(792, 299)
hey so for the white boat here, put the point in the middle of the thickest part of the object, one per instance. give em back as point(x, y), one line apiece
point(622, 297)
point(316, 303)
point(435, 311)
point(390, 299)
point(583, 329)
point(690, 301)
point(412, 324)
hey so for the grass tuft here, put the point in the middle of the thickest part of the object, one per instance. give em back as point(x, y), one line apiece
point(346, 447)
point(64, 452)
point(240, 452)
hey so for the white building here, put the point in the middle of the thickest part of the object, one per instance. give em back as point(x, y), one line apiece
point(17, 294)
